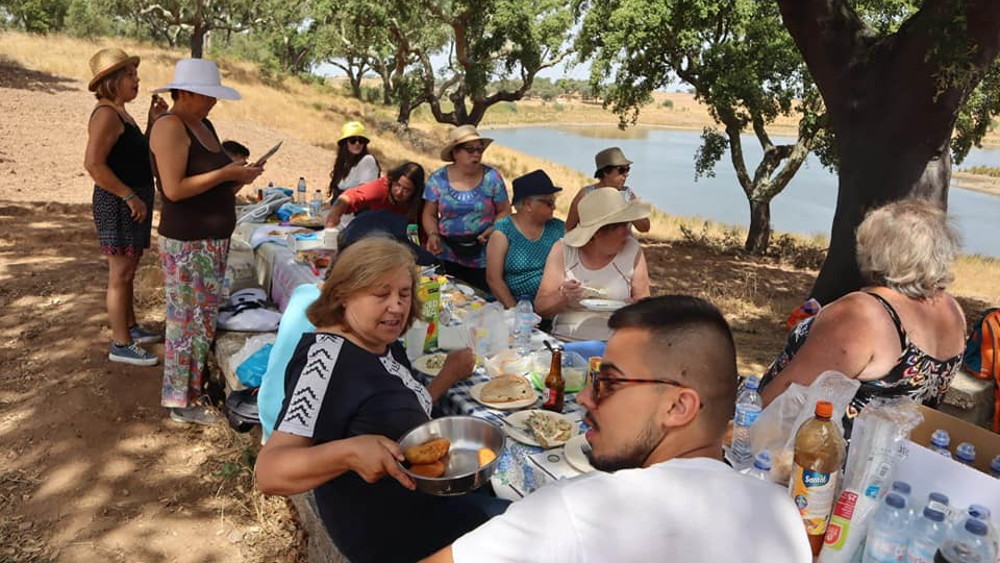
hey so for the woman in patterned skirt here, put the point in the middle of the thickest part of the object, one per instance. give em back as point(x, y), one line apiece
point(117, 158)
point(199, 184)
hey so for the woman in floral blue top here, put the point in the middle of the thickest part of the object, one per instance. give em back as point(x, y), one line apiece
point(464, 200)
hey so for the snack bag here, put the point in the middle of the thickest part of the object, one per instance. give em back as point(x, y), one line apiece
point(429, 293)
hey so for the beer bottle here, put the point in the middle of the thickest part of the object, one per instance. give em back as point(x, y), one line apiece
point(555, 385)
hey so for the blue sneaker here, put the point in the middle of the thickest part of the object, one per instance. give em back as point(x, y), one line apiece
point(131, 353)
point(143, 336)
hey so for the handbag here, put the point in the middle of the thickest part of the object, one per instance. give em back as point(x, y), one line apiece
point(465, 246)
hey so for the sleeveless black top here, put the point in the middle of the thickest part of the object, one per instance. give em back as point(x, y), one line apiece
point(208, 215)
point(129, 157)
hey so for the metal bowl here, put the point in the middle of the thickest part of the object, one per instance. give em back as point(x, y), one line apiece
point(467, 435)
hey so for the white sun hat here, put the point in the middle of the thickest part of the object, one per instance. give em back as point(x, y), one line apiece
point(201, 77)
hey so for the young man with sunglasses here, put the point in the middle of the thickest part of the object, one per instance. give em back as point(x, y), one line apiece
point(657, 413)
point(612, 172)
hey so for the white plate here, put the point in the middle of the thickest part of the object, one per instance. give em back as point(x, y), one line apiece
point(466, 290)
point(602, 305)
point(476, 392)
point(420, 364)
point(520, 419)
point(575, 456)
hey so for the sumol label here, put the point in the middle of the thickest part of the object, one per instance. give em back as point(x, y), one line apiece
point(813, 493)
point(746, 415)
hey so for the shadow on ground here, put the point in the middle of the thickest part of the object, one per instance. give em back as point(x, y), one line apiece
point(13, 75)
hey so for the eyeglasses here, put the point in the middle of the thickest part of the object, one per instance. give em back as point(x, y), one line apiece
point(473, 149)
point(356, 140)
point(549, 201)
point(624, 169)
point(601, 386)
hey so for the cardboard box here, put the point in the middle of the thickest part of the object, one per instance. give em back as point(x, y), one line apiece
point(987, 443)
point(927, 471)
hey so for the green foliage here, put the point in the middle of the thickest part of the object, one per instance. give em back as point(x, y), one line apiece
point(714, 146)
point(35, 16)
point(669, 104)
point(85, 18)
point(991, 171)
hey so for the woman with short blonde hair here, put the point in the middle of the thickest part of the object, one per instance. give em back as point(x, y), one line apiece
point(350, 395)
point(903, 335)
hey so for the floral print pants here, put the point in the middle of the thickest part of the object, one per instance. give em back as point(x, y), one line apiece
point(193, 274)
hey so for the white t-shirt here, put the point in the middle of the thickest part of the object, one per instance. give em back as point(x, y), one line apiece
point(363, 172)
point(683, 510)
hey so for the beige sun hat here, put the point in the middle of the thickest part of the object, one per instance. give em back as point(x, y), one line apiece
point(601, 207)
point(106, 61)
point(610, 157)
point(459, 135)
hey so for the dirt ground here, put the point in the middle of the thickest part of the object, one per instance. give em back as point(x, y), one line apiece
point(90, 467)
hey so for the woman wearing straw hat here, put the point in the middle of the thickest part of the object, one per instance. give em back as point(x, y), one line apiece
point(464, 200)
point(117, 158)
point(516, 253)
point(354, 166)
point(199, 184)
point(597, 259)
point(612, 172)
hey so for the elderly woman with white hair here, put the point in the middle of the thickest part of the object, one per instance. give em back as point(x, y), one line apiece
point(599, 260)
point(903, 335)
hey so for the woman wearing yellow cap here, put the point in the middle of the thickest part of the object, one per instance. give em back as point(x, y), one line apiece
point(354, 165)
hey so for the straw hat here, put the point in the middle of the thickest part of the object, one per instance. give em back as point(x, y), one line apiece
point(601, 207)
point(201, 77)
point(106, 61)
point(459, 135)
point(610, 157)
point(352, 129)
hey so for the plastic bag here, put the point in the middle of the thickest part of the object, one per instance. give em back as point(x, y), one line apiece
point(776, 425)
point(488, 330)
point(288, 209)
point(250, 363)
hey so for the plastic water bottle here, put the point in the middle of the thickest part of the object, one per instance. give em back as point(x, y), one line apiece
point(300, 192)
point(761, 468)
point(887, 537)
point(748, 407)
point(524, 321)
point(995, 467)
point(965, 453)
point(903, 488)
point(939, 502)
point(967, 543)
point(939, 442)
point(926, 534)
point(983, 513)
point(316, 204)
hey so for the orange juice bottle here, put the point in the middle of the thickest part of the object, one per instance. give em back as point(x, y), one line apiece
point(819, 456)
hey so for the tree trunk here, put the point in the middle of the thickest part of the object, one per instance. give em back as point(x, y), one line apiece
point(355, 84)
point(198, 40)
point(759, 235)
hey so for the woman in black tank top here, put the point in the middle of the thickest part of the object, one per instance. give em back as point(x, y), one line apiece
point(199, 184)
point(117, 158)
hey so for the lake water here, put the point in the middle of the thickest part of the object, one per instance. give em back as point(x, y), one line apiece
point(663, 174)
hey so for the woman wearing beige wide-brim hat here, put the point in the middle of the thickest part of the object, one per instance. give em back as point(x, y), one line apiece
point(598, 260)
point(464, 200)
point(117, 158)
point(612, 172)
point(198, 182)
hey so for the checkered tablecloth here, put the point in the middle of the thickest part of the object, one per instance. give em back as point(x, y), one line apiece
point(518, 469)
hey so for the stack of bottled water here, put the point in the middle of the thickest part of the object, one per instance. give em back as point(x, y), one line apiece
point(930, 534)
point(748, 407)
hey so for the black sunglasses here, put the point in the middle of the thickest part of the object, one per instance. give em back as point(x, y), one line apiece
point(549, 201)
point(601, 386)
point(624, 169)
point(473, 149)
point(356, 140)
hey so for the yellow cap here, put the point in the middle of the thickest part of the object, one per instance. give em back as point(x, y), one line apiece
point(352, 129)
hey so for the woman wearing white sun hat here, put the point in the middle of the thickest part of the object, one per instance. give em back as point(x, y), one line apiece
point(199, 184)
point(597, 259)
